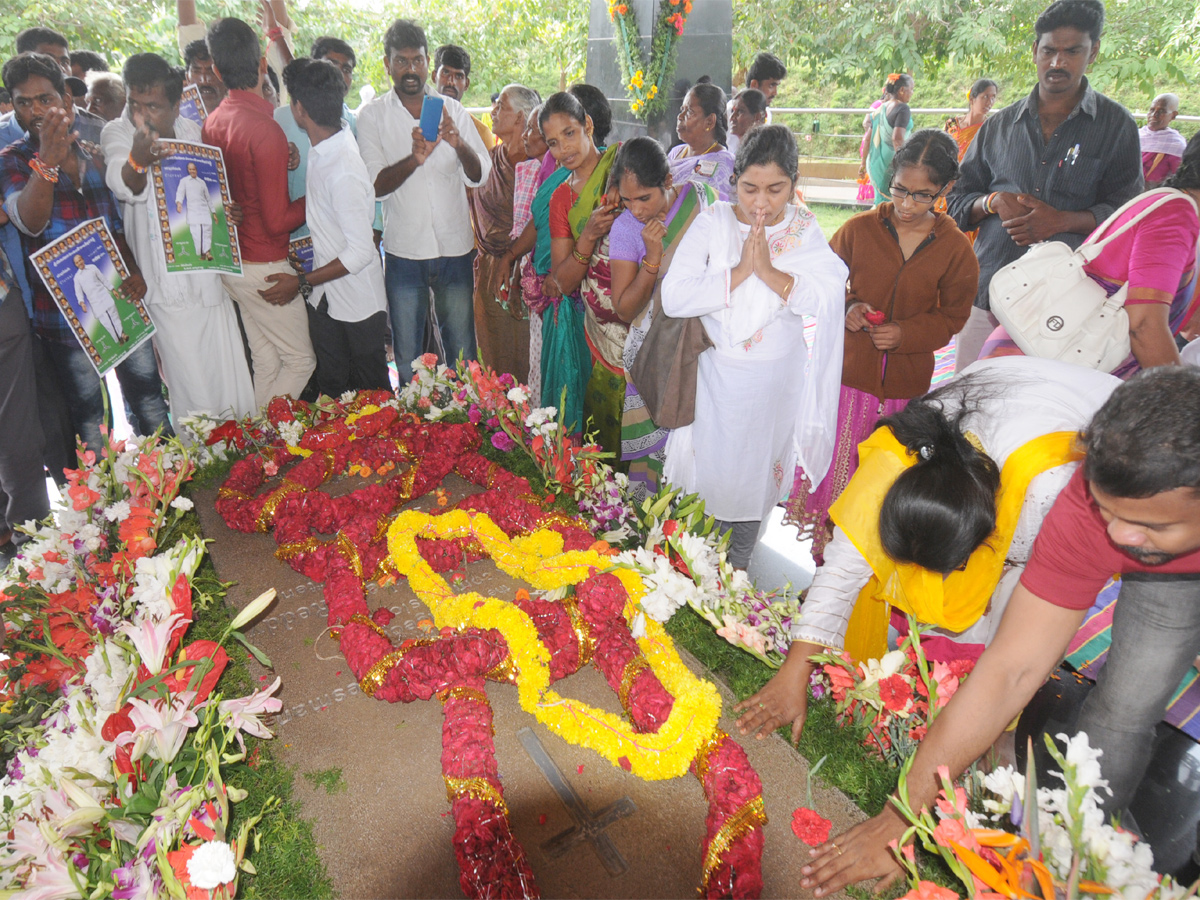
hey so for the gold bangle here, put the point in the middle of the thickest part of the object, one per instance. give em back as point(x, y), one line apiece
point(651, 267)
point(580, 258)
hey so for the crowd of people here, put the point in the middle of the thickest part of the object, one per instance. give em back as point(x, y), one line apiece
point(684, 307)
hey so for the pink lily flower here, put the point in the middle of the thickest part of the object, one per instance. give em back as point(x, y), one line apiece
point(241, 713)
point(160, 727)
point(151, 640)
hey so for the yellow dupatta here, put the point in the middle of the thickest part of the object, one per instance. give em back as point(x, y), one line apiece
point(957, 601)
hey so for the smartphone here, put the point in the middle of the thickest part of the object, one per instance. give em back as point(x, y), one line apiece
point(431, 116)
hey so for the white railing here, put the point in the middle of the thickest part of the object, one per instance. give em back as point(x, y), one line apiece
point(832, 110)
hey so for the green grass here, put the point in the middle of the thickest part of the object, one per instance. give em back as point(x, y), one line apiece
point(865, 780)
point(832, 217)
point(330, 779)
point(287, 861)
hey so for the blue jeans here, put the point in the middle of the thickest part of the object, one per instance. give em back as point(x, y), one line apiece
point(408, 283)
point(1155, 638)
point(138, 376)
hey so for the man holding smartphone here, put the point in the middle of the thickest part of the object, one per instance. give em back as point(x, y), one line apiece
point(427, 239)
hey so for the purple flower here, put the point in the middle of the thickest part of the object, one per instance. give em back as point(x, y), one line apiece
point(502, 442)
point(474, 414)
point(1017, 814)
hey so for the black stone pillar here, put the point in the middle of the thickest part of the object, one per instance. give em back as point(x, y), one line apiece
point(705, 49)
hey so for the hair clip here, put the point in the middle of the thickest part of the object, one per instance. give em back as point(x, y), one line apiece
point(926, 451)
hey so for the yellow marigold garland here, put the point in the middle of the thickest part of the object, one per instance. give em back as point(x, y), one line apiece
point(538, 559)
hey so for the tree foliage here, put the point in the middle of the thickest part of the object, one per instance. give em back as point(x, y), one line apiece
point(849, 42)
point(539, 42)
point(542, 43)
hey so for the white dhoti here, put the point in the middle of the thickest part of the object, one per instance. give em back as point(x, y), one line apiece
point(202, 233)
point(111, 321)
point(203, 361)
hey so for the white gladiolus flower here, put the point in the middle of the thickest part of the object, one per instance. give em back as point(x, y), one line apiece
point(118, 512)
point(182, 503)
point(1085, 759)
point(212, 865)
point(877, 669)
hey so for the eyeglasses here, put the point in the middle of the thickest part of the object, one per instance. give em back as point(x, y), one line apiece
point(923, 197)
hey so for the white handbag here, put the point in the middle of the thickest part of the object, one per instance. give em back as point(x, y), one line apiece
point(1053, 310)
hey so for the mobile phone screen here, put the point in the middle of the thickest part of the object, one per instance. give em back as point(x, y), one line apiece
point(431, 116)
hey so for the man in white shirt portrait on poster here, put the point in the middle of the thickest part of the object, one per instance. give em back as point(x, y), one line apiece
point(93, 294)
point(200, 211)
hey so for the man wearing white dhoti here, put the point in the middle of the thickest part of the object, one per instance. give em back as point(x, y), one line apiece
point(193, 199)
point(94, 296)
point(196, 330)
point(755, 272)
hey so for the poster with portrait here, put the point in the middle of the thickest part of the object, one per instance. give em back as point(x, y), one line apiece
point(84, 271)
point(190, 193)
point(191, 106)
point(300, 252)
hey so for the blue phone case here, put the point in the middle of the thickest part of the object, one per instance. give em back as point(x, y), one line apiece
point(431, 116)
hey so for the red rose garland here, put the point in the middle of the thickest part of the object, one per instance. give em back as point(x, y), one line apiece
point(455, 665)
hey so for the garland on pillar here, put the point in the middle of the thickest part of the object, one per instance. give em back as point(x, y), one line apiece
point(645, 83)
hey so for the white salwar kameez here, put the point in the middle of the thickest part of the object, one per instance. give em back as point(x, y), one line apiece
point(765, 399)
point(1014, 400)
point(196, 332)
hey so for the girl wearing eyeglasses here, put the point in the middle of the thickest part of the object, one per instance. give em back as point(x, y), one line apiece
point(913, 278)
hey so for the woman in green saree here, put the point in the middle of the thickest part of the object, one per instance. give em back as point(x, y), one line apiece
point(891, 124)
point(582, 211)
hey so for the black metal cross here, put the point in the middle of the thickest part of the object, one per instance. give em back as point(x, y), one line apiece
point(588, 826)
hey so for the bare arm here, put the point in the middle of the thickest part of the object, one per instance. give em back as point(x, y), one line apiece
point(898, 137)
point(565, 266)
point(784, 699)
point(525, 241)
point(1150, 330)
point(185, 12)
point(391, 177)
point(1030, 642)
point(36, 200)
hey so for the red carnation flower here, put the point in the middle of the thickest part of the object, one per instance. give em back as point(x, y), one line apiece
point(895, 692)
point(811, 827)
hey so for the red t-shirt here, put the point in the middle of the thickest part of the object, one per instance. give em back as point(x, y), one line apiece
point(256, 158)
point(1073, 557)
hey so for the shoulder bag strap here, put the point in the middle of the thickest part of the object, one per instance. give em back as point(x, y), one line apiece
point(1091, 248)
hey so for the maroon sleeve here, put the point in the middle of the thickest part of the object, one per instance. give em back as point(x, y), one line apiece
point(269, 155)
point(1072, 559)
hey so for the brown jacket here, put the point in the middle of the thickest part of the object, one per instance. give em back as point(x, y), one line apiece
point(929, 295)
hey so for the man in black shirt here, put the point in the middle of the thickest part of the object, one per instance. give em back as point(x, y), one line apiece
point(1051, 166)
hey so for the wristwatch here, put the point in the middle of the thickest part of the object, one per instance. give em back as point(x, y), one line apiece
point(305, 287)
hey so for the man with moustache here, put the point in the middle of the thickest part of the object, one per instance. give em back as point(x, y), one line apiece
point(51, 185)
point(452, 77)
point(427, 239)
point(1050, 167)
point(196, 329)
point(198, 70)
